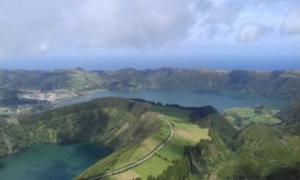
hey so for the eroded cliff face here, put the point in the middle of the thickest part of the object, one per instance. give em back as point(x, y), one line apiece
point(113, 122)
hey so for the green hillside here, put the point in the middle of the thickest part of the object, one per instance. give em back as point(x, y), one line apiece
point(290, 117)
point(154, 141)
point(258, 151)
point(133, 129)
point(110, 121)
point(185, 133)
point(242, 117)
point(76, 80)
point(280, 84)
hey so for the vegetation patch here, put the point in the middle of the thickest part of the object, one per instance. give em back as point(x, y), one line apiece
point(241, 117)
point(186, 133)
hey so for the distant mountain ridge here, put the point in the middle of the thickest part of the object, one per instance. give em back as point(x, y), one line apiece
point(280, 84)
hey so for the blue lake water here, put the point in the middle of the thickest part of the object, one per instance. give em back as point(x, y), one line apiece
point(51, 162)
point(56, 162)
point(219, 99)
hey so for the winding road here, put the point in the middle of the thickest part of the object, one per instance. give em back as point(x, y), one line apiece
point(141, 161)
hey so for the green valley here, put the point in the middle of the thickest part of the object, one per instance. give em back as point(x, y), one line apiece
point(150, 90)
point(152, 140)
point(132, 128)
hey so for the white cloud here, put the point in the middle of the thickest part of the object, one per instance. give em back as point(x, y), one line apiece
point(91, 23)
point(291, 24)
point(33, 27)
point(251, 32)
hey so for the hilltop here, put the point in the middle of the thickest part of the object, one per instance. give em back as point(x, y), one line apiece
point(131, 128)
point(110, 121)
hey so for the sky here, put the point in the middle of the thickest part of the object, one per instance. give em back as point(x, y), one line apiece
point(111, 34)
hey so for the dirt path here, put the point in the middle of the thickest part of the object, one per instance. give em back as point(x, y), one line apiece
point(141, 161)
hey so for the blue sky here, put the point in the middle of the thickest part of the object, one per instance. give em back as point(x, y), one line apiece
point(262, 34)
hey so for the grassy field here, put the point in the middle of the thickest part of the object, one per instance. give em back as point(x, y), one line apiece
point(186, 133)
point(241, 117)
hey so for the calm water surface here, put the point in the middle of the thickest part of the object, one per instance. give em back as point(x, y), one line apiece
point(219, 99)
point(51, 162)
point(54, 162)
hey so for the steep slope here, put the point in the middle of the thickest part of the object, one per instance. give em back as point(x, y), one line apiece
point(256, 151)
point(150, 135)
point(204, 144)
point(262, 152)
point(184, 133)
point(111, 121)
point(268, 148)
point(290, 117)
